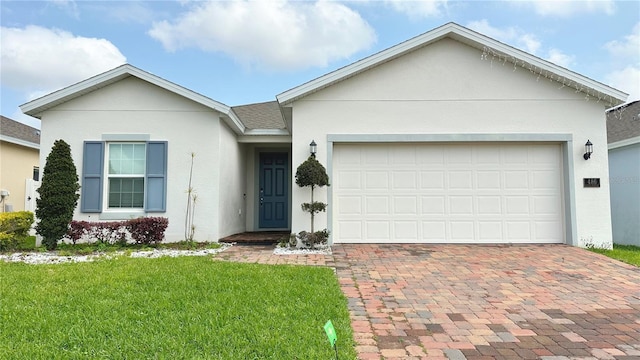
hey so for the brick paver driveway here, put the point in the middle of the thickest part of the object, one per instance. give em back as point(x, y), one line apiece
point(489, 302)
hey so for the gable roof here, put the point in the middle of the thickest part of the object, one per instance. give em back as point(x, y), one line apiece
point(490, 47)
point(623, 123)
point(37, 106)
point(19, 133)
point(264, 115)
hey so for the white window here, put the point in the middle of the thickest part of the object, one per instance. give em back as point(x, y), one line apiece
point(126, 175)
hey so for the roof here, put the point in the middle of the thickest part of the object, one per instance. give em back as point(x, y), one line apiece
point(19, 133)
point(264, 115)
point(36, 107)
point(623, 123)
point(490, 48)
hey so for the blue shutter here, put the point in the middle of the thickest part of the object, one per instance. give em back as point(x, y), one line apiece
point(156, 177)
point(92, 170)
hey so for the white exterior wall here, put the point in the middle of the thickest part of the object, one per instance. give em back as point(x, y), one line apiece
point(232, 183)
point(446, 88)
point(133, 106)
point(624, 171)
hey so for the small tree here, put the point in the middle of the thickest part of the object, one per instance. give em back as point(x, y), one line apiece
point(58, 195)
point(311, 173)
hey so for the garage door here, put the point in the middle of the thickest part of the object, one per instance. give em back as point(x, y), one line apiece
point(447, 193)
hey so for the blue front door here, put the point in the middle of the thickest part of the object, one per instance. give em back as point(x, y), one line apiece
point(274, 191)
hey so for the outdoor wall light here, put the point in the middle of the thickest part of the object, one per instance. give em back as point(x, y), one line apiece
point(313, 147)
point(588, 150)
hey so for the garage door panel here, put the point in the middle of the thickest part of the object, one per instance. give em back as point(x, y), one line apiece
point(377, 205)
point(432, 180)
point(461, 231)
point(350, 205)
point(433, 205)
point(377, 230)
point(405, 205)
point(460, 180)
point(404, 180)
point(458, 193)
point(489, 231)
point(405, 231)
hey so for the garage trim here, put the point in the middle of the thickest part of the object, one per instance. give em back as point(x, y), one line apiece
point(566, 141)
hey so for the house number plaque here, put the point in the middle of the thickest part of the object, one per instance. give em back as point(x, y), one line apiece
point(591, 182)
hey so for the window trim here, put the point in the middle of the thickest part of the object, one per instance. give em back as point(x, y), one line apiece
point(108, 177)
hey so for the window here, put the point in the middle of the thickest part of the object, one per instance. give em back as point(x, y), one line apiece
point(126, 172)
point(131, 175)
point(36, 173)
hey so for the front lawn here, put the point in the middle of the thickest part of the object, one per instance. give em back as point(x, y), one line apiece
point(170, 308)
point(627, 253)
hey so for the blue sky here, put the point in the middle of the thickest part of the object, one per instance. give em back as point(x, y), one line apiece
point(240, 52)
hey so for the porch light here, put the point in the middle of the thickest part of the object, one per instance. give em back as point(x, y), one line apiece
point(588, 150)
point(313, 147)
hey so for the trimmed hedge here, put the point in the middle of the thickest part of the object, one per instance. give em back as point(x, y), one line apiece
point(14, 228)
point(143, 230)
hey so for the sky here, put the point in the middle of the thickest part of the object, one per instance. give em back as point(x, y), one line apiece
point(243, 52)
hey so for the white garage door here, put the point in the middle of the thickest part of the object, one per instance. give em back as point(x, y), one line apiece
point(448, 193)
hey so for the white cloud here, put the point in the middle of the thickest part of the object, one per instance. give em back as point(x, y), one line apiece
point(418, 9)
point(565, 8)
point(629, 47)
point(627, 80)
point(520, 39)
point(559, 58)
point(509, 35)
point(279, 35)
point(37, 60)
point(625, 60)
point(68, 5)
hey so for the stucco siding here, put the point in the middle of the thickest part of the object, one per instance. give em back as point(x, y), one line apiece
point(16, 165)
point(135, 108)
point(232, 184)
point(624, 171)
point(446, 88)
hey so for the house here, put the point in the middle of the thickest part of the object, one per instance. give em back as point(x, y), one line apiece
point(449, 137)
point(19, 164)
point(623, 136)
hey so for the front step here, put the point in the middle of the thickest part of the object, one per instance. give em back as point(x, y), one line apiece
point(256, 238)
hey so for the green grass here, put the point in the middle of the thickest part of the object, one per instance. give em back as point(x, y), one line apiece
point(626, 253)
point(170, 308)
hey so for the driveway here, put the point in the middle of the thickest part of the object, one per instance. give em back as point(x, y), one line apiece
point(489, 302)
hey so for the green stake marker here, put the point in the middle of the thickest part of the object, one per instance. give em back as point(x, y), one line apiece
point(331, 333)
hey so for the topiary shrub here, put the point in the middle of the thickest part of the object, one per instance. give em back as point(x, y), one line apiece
point(58, 195)
point(312, 174)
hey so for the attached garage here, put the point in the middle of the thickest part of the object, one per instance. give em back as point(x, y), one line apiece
point(505, 192)
point(453, 137)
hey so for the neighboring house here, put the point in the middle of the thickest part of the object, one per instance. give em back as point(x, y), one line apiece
point(449, 137)
point(19, 162)
point(623, 130)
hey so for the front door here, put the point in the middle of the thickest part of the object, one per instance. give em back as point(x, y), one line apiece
point(273, 192)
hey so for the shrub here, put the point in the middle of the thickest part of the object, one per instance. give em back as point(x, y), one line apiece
point(58, 195)
point(141, 230)
point(311, 239)
point(14, 228)
point(147, 230)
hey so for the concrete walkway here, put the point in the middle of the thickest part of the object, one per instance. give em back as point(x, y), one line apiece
point(550, 302)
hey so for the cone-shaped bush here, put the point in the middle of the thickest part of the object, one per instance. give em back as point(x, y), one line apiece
point(58, 195)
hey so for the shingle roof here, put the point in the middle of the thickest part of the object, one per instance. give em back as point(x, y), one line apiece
point(264, 115)
point(623, 122)
point(17, 130)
